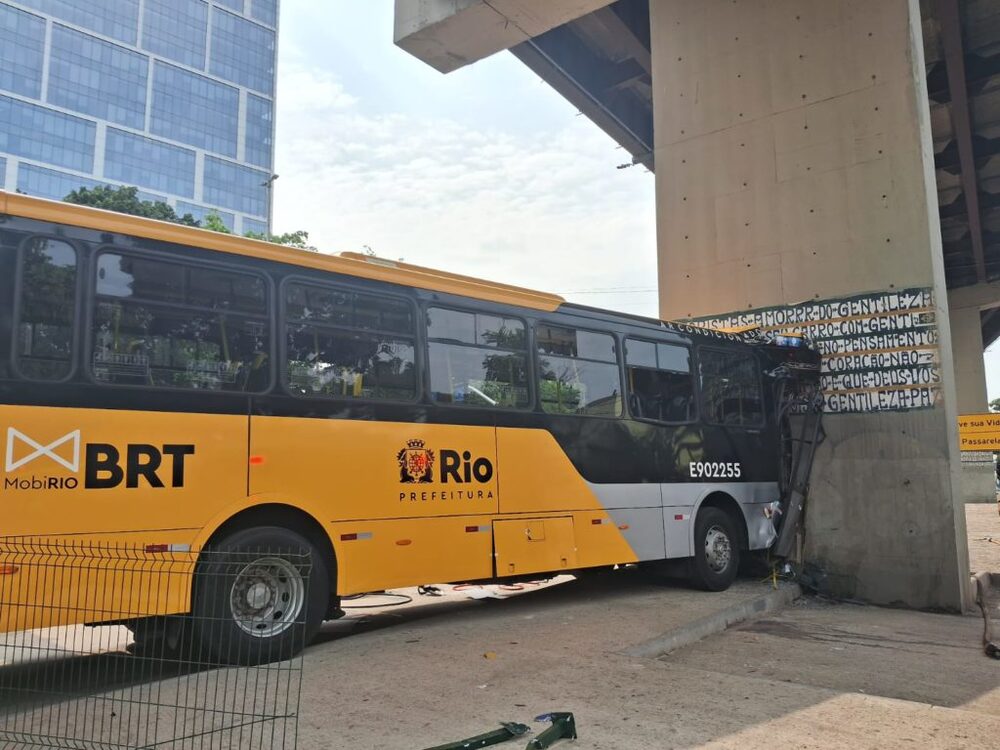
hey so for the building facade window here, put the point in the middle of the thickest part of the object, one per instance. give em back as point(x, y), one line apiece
point(140, 161)
point(254, 227)
point(200, 212)
point(50, 183)
point(141, 71)
point(176, 29)
point(265, 11)
point(97, 78)
point(42, 134)
point(259, 130)
point(118, 19)
point(22, 40)
point(196, 110)
point(242, 52)
point(235, 186)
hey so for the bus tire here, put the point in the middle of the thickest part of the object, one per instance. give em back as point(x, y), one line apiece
point(259, 596)
point(717, 550)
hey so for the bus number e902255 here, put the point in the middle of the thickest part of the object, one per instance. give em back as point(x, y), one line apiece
point(715, 470)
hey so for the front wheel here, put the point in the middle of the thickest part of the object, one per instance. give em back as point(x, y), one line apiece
point(716, 550)
point(259, 596)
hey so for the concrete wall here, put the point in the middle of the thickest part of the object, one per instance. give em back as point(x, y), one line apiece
point(794, 163)
point(448, 34)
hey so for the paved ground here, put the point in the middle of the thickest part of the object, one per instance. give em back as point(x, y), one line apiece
point(813, 675)
point(983, 524)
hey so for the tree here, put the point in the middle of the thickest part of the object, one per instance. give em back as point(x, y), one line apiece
point(125, 200)
point(995, 404)
point(299, 239)
point(215, 223)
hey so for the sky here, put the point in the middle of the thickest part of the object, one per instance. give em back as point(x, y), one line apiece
point(485, 171)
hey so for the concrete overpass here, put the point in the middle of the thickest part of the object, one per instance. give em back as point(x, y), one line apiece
point(830, 161)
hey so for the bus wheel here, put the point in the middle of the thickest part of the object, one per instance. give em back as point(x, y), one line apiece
point(258, 596)
point(716, 550)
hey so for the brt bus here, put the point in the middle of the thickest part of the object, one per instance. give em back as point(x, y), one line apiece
point(174, 389)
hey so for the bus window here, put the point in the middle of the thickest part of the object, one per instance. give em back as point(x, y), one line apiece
point(730, 388)
point(477, 360)
point(160, 323)
point(578, 372)
point(660, 384)
point(342, 344)
point(47, 305)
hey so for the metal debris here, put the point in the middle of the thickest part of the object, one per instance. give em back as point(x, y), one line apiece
point(508, 730)
point(563, 727)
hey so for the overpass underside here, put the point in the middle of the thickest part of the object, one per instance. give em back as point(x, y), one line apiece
point(829, 164)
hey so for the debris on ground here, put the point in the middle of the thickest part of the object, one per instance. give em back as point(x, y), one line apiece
point(508, 730)
point(563, 727)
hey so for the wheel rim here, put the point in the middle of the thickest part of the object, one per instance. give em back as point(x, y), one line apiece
point(718, 549)
point(267, 597)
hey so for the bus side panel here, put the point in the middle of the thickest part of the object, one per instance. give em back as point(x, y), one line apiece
point(82, 492)
point(376, 555)
point(375, 470)
point(115, 473)
point(538, 478)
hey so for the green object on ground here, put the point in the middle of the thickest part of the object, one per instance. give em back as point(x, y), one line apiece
point(508, 730)
point(563, 727)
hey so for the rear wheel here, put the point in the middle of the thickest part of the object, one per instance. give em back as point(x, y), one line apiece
point(259, 596)
point(716, 550)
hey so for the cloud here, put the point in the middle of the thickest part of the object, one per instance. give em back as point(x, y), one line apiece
point(544, 209)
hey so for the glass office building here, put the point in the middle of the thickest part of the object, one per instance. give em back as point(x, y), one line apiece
point(175, 97)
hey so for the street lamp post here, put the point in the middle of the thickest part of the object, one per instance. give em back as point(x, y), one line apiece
point(268, 184)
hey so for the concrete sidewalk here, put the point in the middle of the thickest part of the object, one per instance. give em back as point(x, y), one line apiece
point(811, 675)
point(982, 524)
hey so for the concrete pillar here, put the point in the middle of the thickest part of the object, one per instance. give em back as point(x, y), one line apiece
point(794, 167)
point(978, 473)
point(970, 370)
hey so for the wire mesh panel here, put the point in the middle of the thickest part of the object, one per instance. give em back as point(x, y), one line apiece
point(112, 646)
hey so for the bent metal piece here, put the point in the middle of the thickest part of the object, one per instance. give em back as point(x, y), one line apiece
point(508, 731)
point(563, 726)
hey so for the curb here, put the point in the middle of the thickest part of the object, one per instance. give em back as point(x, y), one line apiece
point(715, 623)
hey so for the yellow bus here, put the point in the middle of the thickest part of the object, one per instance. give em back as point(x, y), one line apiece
point(178, 389)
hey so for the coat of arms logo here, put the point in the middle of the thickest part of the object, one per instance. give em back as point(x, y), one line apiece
point(415, 463)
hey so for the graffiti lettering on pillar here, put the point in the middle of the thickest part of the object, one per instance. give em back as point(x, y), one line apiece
point(880, 351)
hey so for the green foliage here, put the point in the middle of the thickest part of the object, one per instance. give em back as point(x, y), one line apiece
point(299, 239)
point(215, 223)
point(558, 396)
point(125, 200)
point(995, 404)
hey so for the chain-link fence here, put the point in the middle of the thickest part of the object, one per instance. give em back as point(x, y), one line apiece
point(111, 646)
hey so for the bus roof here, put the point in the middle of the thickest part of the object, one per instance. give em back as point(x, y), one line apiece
point(351, 264)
